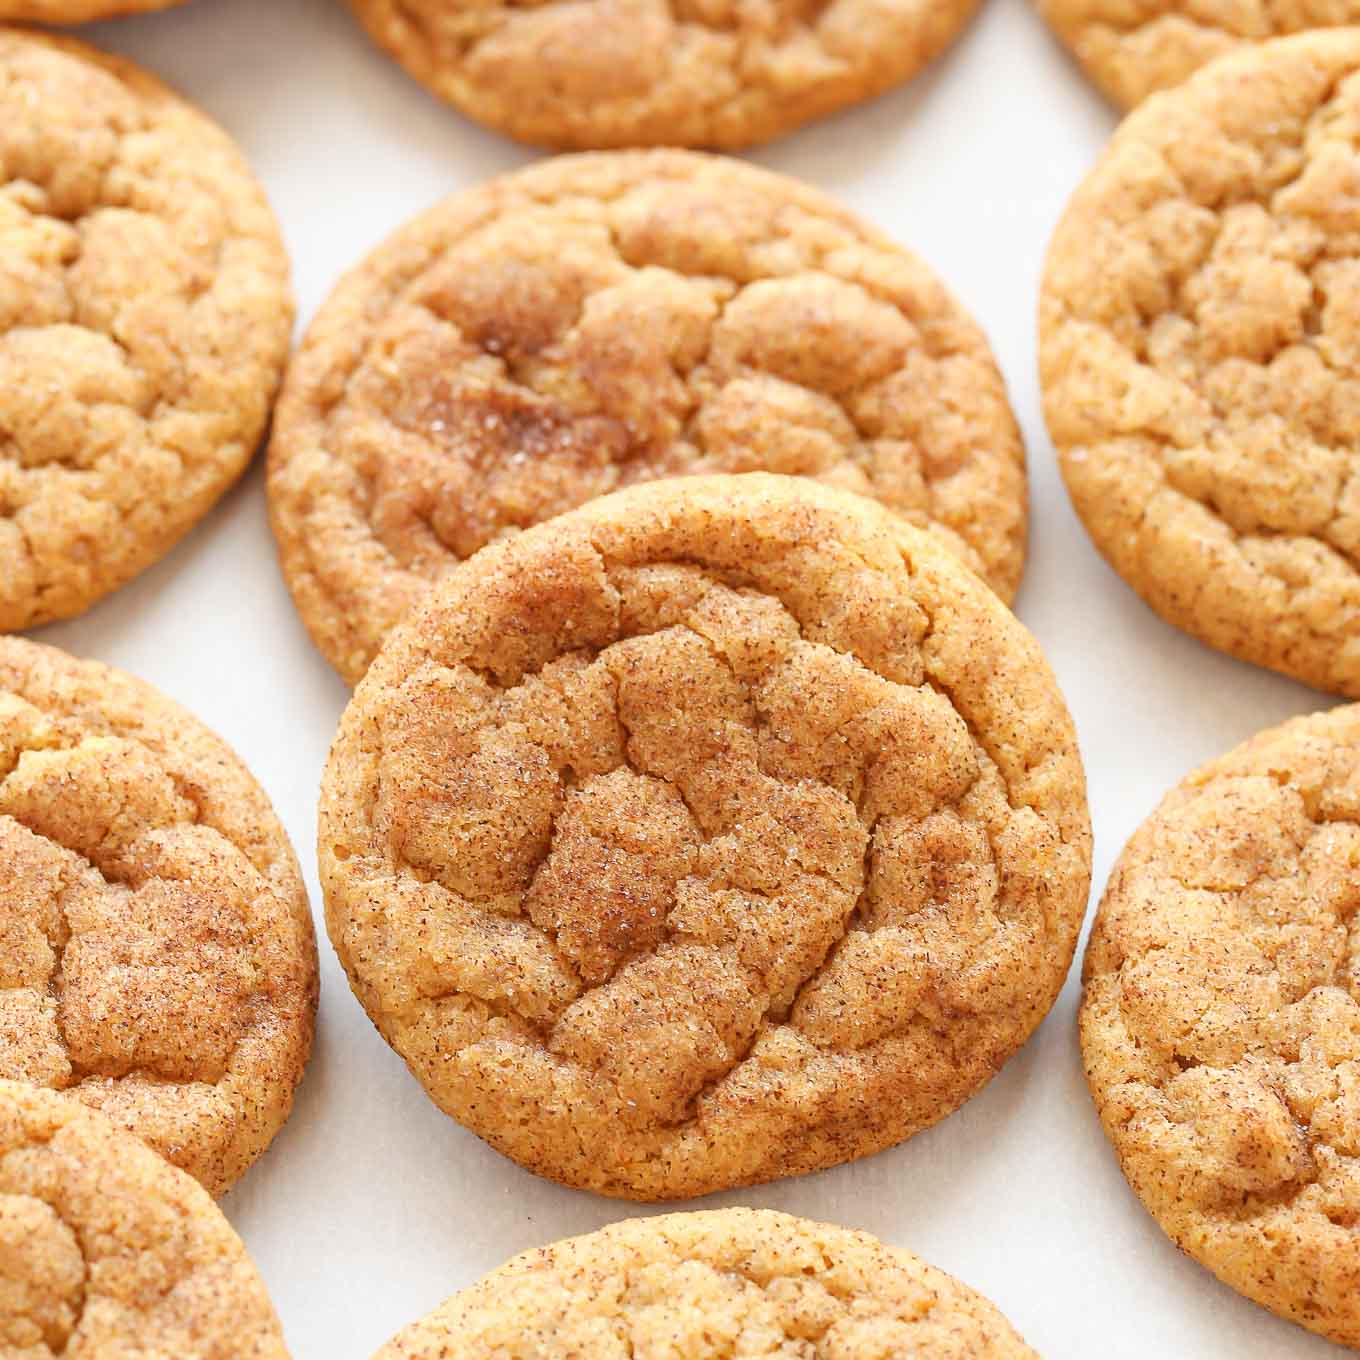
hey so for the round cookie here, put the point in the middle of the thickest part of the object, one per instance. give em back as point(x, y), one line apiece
point(589, 74)
point(156, 951)
point(600, 320)
point(1131, 55)
point(710, 1285)
point(1200, 362)
point(1221, 1018)
point(145, 318)
point(76, 11)
point(109, 1251)
point(723, 829)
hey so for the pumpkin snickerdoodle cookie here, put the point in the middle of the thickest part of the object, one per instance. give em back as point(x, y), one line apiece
point(1132, 52)
point(600, 320)
point(710, 1285)
point(1221, 1018)
point(1201, 360)
point(109, 1251)
point(588, 74)
point(156, 950)
point(145, 316)
point(723, 829)
point(76, 11)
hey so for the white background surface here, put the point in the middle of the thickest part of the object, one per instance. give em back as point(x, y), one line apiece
point(371, 1206)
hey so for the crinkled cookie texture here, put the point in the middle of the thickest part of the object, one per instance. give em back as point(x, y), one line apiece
point(1134, 51)
point(723, 829)
point(705, 1286)
point(602, 320)
point(156, 951)
point(145, 317)
point(107, 1251)
point(586, 74)
point(1200, 355)
point(76, 11)
point(1221, 1018)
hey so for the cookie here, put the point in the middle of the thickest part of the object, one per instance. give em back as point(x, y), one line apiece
point(585, 74)
point(723, 829)
point(1200, 362)
point(709, 1285)
point(1221, 1018)
point(156, 951)
point(109, 1251)
point(145, 316)
point(1132, 54)
point(601, 320)
point(76, 11)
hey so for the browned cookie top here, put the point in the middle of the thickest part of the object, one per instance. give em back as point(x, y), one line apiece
point(1201, 358)
point(156, 951)
point(76, 11)
point(597, 321)
point(107, 1251)
point(144, 322)
point(720, 830)
point(706, 1286)
point(583, 74)
point(1221, 1019)
point(1134, 51)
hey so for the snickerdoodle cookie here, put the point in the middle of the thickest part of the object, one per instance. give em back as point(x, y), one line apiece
point(1200, 355)
point(76, 11)
point(1134, 52)
point(723, 829)
point(1221, 1020)
point(582, 74)
point(596, 321)
point(711, 1285)
point(107, 1251)
point(144, 321)
point(156, 950)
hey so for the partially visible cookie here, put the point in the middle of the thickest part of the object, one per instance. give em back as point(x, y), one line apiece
point(586, 74)
point(1132, 53)
point(145, 316)
point(76, 11)
point(156, 950)
point(705, 1286)
point(1221, 1018)
point(1200, 355)
point(109, 1251)
point(597, 321)
point(726, 828)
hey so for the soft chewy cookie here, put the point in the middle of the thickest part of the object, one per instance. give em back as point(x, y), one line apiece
point(1201, 360)
point(76, 11)
point(711, 1285)
point(1132, 53)
point(601, 320)
point(723, 829)
point(109, 1251)
point(144, 322)
point(581, 74)
point(156, 950)
point(1221, 1019)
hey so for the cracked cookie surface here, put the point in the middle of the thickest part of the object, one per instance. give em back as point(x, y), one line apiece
point(708, 1285)
point(723, 829)
point(106, 1250)
point(1134, 51)
point(587, 74)
point(1201, 362)
point(602, 320)
point(1221, 1018)
point(145, 317)
point(157, 959)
